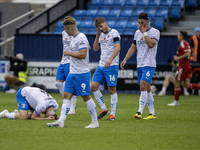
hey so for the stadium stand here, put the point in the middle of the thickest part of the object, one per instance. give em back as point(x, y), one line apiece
point(160, 12)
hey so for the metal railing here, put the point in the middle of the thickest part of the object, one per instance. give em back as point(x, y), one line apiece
point(7, 40)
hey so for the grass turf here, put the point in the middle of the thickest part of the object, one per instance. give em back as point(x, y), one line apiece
point(175, 127)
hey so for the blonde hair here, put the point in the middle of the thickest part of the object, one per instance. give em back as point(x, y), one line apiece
point(99, 20)
point(20, 56)
point(69, 20)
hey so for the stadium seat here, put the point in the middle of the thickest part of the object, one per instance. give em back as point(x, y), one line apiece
point(79, 13)
point(151, 12)
point(162, 13)
point(126, 13)
point(130, 3)
point(91, 13)
point(111, 23)
point(175, 12)
point(154, 3)
point(192, 3)
point(166, 3)
point(86, 23)
point(177, 3)
point(132, 24)
point(92, 32)
point(128, 32)
point(142, 3)
point(114, 13)
point(137, 11)
point(108, 3)
point(96, 2)
point(120, 24)
point(103, 13)
point(119, 3)
point(59, 24)
point(78, 22)
point(158, 23)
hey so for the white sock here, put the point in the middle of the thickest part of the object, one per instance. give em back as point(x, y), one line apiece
point(99, 98)
point(92, 109)
point(142, 101)
point(185, 90)
point(150, 103)
point(73, 103)
point(10, 115)
point(114, 100)
point(65, 109)
point(164, 89)
point(60, 87)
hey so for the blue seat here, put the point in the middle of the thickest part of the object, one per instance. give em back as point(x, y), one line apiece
point(126, 13)
point(158, 23)
point(91, 13)
point(92, 32)
point(78, 22)
point(103, 13)
point(162, 13)
point(192, 3)
point(128, 32)
point(151, 12)
point(86, 23)
point(175, 12)
point(121, 24)
point(137, 11)
point(59, 24)
point(143, 3)
point(132, 24)
point(130, 3)
point(108, 3)
point(166, 3)
point(93, 27)
point(114, 13)
point(59, 29)
point(111, 23)
point(154, 3)
point(96, 2)
point(79, 13)
point(177, 3)
point(119, 2)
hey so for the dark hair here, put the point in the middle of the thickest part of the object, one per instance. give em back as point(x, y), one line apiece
point(184, 34)
point(41, 86)
point(99, 20)
point(143, 15)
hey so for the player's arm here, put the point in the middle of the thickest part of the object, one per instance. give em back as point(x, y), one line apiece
point(80, 55)
point(177, 58)
point(150, 42)
point(96, 45)
point(38, 117)
point(130, 53)
point(115, 52)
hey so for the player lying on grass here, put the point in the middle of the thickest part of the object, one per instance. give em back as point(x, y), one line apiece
point(37, 101)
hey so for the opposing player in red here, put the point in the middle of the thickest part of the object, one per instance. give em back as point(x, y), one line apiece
point(184, 71)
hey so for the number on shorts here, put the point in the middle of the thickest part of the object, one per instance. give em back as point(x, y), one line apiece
point(83, 85)
point(112, 78)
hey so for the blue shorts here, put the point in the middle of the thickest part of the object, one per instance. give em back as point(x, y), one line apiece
point(22, 102)
point(145, 74)
point(62, 71)
point(78, 84)
point(109, 74)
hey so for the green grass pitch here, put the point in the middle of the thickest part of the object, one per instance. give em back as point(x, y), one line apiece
point(176, 128)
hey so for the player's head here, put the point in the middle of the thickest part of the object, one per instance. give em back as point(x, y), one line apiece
point(101, 24)
point(143, 19)
point(50, 112)
point(69, 25)
point(182, 36)
point(20, 56)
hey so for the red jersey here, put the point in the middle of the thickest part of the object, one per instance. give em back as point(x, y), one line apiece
point(183, 48)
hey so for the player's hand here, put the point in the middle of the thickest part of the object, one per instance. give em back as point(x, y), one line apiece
point(51, 118)
point(142, 28)
point(98, 32)
point(66, 53)
point(108, 63)
point(175, 58)
point(122, 64)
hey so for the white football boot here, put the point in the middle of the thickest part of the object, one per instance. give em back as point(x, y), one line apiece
point(174, 103)
point(2, 114)
point(93, 125)
point(58, 124)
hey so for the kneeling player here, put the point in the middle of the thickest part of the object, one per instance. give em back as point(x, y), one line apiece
point(37, 101)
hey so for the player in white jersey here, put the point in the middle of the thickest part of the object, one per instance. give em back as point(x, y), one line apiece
point(37, 101)
point(63, 70)
point(109, 42)
point(146, 41)
point(78, 80)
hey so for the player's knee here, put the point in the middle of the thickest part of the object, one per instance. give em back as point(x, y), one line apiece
point(57, 84)
point(93, 88)
point(23, 117)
